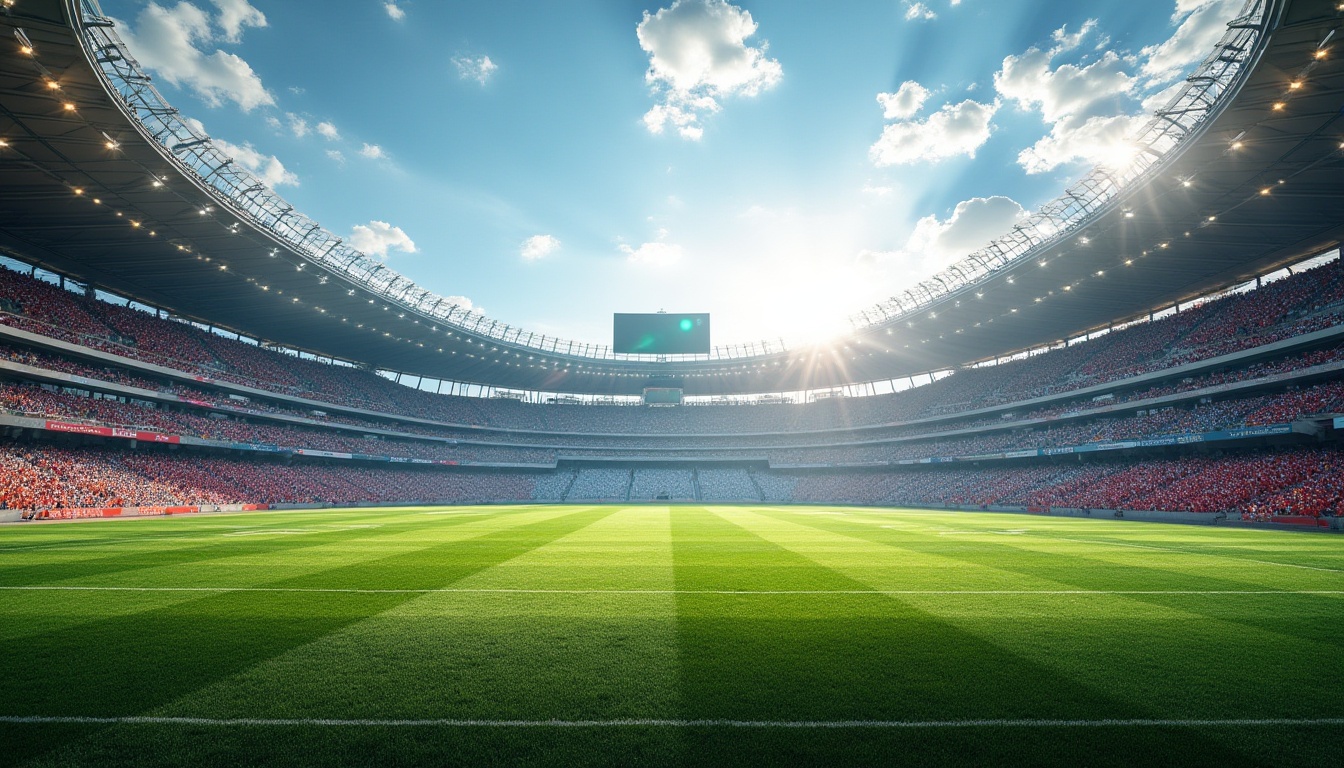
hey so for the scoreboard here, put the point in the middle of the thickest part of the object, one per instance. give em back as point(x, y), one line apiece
point(661, 333)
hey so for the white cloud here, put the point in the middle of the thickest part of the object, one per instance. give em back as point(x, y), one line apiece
point(539, 247)
point(394, 11)
point(1067, 41)
point(698, 55)
point(919, 12)
point(236, 14)
point(174, 42)
point(905, 102)
point(478, 68)
point(1066, 90)
point(464, 302)
point(955, 129)
point(336, 155)
point(297, 125)
point(328, 131)
point(267, 168)
point(876, 191)
point(372, 151)
point(1100, 140)
point(1200, 24)
point(657, 254)
point(378, 237)
point(936, 244)
point(274, 122)
point(1089, 109)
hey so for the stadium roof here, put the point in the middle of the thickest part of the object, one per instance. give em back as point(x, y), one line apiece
point(90, 191)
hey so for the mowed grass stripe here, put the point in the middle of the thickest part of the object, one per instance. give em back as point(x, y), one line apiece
point(870, 657)
point(1161, 577)
point(467, 656)
point(274, 556)
point(736, 628)
point(125, 665)
point(199, 541)
point(862, 655)
point(1162, 651)
point(544, 591)
point(248, 722)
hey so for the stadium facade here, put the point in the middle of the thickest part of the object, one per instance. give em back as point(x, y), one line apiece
point(1164, 338)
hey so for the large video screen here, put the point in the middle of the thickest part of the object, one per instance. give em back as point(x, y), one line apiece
point(663, 333)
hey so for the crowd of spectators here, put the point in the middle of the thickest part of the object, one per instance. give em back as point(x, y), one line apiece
point(1266, 483)
point(1294, 305)
point(40, 477)
point(1257, 485)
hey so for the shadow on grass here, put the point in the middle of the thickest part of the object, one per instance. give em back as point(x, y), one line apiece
point(865, 657)
point(130, 664)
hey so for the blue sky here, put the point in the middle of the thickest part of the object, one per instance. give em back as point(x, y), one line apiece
point(779, 164)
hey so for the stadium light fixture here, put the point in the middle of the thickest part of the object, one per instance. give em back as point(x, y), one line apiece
point(1279, 105)
point(69, 106)
point(52, 85)
point(1129, 262)
point(3, 143)
point(1293, 86)
point(1265, 191)
point(26, 46)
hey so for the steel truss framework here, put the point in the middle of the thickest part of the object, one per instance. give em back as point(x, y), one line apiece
point(244, 195)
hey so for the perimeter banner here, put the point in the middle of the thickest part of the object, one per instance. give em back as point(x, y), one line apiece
point(128, 434)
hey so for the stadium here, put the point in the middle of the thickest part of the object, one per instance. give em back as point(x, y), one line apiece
point(1073, 497)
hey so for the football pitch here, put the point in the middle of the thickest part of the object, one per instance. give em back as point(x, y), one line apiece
point(648, 635)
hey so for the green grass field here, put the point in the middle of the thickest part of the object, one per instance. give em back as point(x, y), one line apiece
point(655, 635)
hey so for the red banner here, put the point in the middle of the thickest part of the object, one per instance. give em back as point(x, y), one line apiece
point(129, 434)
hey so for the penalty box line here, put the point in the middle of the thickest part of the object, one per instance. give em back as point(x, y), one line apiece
point(245, 722)
point(510, 591)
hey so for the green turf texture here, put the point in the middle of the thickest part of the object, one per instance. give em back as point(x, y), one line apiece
point(633, 615)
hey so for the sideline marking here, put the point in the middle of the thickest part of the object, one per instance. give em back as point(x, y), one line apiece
point(660, 723)
point(509, 591)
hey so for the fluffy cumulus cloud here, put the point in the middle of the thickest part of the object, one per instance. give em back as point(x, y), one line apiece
point(905, 102)
point(297, 125)
point(919, 12)
point(1101, 140)
point(1090, 108)
point(394, 11)
point(178, 44)
point(655, 254)
point(955, 129)
point(539, 247)
point(267, 168)
point(936, 244)
point(234, 15)
point(1199, 25)
point(328, 131)
point(478, 68)
point(378, 237)
point(336, 156)
point(372, 152)
point(698, 55)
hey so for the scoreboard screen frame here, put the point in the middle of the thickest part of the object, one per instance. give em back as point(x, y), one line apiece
point(660, 333)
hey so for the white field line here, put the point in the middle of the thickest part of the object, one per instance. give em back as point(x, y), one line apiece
point(666, 723)
point(510, 591)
